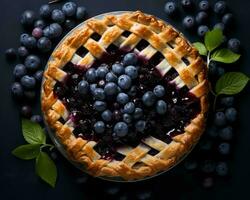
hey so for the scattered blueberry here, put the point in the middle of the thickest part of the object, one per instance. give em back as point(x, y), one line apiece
point(130, 59)
point(224, 148)
point(140, 126)
point(19, 71)
point(220, 119)
point(53, 31)
point(10, 54)
point(227, 101)
point(110, 77)
point(129, 108)
point(58, 16)
point(132, 91)
point(99, 127)
point(212, 131)
point(37, 32)
point(187, 4)
point(32, 62)
point(92, 88)
point(99, 94)
point(231, 114)
point(28, 18)
point(138, 113)
point(107, 115)
point(170, 8)
point(23, 38)
point(159, 91)
point(101, 71)
point(234, 45)
point(26, 111)
point(112, 190)
point(127, 118)
point(201, 17)
point(44, 44)
point(99, 106)
point(148, 98)
point(45, 11)
point(122, 98)
point(204, 5)
point(188, 22)
point(118, 69)
point(144, 195)
point(208, 166)
point(121, 129)
point(131, 71)
point(30, 42)
point(38, 75)
point(91, 75)
point(69, 24)
point(17, 90)
point(161, 107)
point(220, 26)
point(226, 133)
point(202, 30)
point(190, 165)
point(227, 19)
point(222, 169)
point(40, 24)
point(36, 118)
point(69, 9)
point(80, 13)
point(124, 82)
point(22, 52)
point(28, 82)
point(110, 89)
point(83, 87)
point(220, 7)
point(29, 95)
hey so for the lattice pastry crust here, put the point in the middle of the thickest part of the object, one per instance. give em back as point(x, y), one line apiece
point(137, 163)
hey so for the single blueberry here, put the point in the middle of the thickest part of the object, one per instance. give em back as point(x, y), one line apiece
point(110, 77)
point(161, 107)
point(80, 13)
point(222, 169)
point(129, 108)
point(148, 98)
point(220, 7)
point(44, 44)
point(69, 24)
point(202, 30)
point(69, 9)
point(190, 165)
point(231, 114)
point(83, 87)
point(23, 38)
point(110, 89)
point(118, 69)
point(224, 148)
point(36, 118)
point(17, 90)
point(26, 111)
point(53, 31)
point(121, 129)
point(131, 71)
point(234, 45)
point(130, 59)
point(201, 17)
point(37, 32)
point(226, 133)
point(27, 18)
point(188, 22)
point(19, 71)
point(107, 115)
point(227, 19)
point(204, 5)
point(212, 131)
point(58, 16)
point(187, 4)
point(10, 54)
point(91, 75)
point(22, 52)
point(122, 98)
point(92, 88)
point(127, 118)
point(100, 106)
point(208, 166)
point(220, 26)
point(170, 8)
point(38, 75)
point(227, 101)
point(132, 91)
point(138, 113)
point(220, 119)
point(30, 42)
point(99, 127)
point(32, 62)
point(99, 94)
point(28, 82)
point(29, 95)
point(45, 11)
point(140, 126)
point(40, 24)
point(102, 71)
point(124, 82)
point(159, 91)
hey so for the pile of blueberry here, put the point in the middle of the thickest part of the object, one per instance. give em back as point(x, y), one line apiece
point(42, 32)
point(201, 21)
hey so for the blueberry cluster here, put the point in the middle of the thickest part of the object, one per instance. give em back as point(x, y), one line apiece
point(41, 31)
point(201, 21)
point(115, 84)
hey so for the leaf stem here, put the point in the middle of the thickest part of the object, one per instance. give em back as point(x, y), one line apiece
point(47, 145)
point(208, 58)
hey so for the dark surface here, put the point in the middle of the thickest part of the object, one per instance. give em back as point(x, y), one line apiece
point(18, 179)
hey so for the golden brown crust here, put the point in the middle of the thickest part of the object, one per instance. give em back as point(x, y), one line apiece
point(162, 38)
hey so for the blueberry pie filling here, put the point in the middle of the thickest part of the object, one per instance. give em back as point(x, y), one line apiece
point(126, 95)
point(163, 114)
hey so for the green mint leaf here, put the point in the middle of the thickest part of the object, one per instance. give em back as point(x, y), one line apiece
point(231, 83)
point(27, 152)
point(32, 132)
point(201, 48)
point(213, 39)
point(46, 169)
point(225, 56)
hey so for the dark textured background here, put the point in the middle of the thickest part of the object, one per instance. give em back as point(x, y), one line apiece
point(17, 178)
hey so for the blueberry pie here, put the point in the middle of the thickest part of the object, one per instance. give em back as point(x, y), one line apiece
point(126, 95)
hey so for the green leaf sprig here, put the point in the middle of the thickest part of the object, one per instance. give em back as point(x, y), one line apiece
point(230, 83)
point(35, 136)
